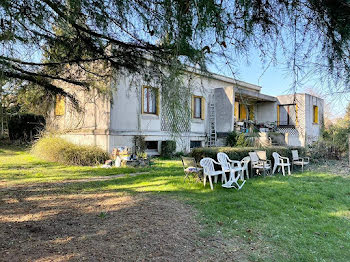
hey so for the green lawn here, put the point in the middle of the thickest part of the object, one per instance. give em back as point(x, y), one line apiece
point(17, 166)
point(303, 217)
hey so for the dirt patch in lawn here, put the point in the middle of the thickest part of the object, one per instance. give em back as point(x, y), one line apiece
point(105, 227)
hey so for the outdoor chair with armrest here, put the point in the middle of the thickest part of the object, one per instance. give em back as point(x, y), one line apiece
point(299, 161)
point(259, 164)
point(280, 163)
point(191, 168)
point(209, 170)
point(233, 167)
point(245, 171)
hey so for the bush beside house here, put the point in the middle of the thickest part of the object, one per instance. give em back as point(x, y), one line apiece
point(168, 148)
point(56, 149)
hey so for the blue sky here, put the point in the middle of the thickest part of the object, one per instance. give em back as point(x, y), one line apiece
point(277, 80)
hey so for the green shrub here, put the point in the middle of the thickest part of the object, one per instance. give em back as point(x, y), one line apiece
point(321, 150)
point(242, 141)
point(139, 145)
point(56, 149)
point(168, 148)
point(238, 153)
point(231, 139)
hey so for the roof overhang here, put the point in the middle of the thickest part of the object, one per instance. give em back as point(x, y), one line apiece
point(228, 80)
point(253, 95)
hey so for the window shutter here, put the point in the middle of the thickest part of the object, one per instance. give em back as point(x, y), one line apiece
point(236, 114)
point(316, 114)
point(251, 112)
point(60, 105)
point(243, 112)
point(278, 115)
point(202, 108)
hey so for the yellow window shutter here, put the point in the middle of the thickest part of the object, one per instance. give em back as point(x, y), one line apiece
point(251, 112)
point(236, 110)
point(202, 108)
point(316, 114)
point(192, 106)
point(243, 110)
point(60, 105)
point(278, 115)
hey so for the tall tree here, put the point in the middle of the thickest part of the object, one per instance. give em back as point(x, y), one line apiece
point(42, 40)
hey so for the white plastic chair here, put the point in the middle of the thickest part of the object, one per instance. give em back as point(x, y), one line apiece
point(280, 162)
point(226, 164)
point(245, 171)
point(232, 166)
point(259, 164)
point(209, 171)
point(299, 161)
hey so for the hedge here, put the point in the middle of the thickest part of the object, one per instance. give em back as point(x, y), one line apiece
point(238, 153)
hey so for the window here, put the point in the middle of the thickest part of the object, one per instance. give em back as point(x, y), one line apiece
point(287, 115)
point(315, 115)
point(149, 100)
point(152, 145)
point(195, 144)
point(60, 105)
point(197, 107)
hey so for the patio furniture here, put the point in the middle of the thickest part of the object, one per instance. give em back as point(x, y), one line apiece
point(245, 171)
point(280, 163)
point(259, 164)
point(226, 165)
point(232, 166)
point(299, 161)
point(209, 171)
point(191, 168)
point(261, 154)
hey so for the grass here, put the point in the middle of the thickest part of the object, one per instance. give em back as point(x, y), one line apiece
point(17, 166)
point(303, 217)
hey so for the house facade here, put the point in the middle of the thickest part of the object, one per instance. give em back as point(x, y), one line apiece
point(218, 105)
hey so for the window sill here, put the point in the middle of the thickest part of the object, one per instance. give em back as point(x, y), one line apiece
point(316, 124)
point(146, 116)
point(197, 120)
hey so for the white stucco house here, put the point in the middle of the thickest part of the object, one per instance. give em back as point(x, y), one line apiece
point(219, 105)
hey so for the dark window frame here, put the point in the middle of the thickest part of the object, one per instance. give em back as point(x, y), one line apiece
point(147, 101)
point(196, 98)
point(288, 124)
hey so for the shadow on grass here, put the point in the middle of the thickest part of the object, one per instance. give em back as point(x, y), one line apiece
point(304, 215)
